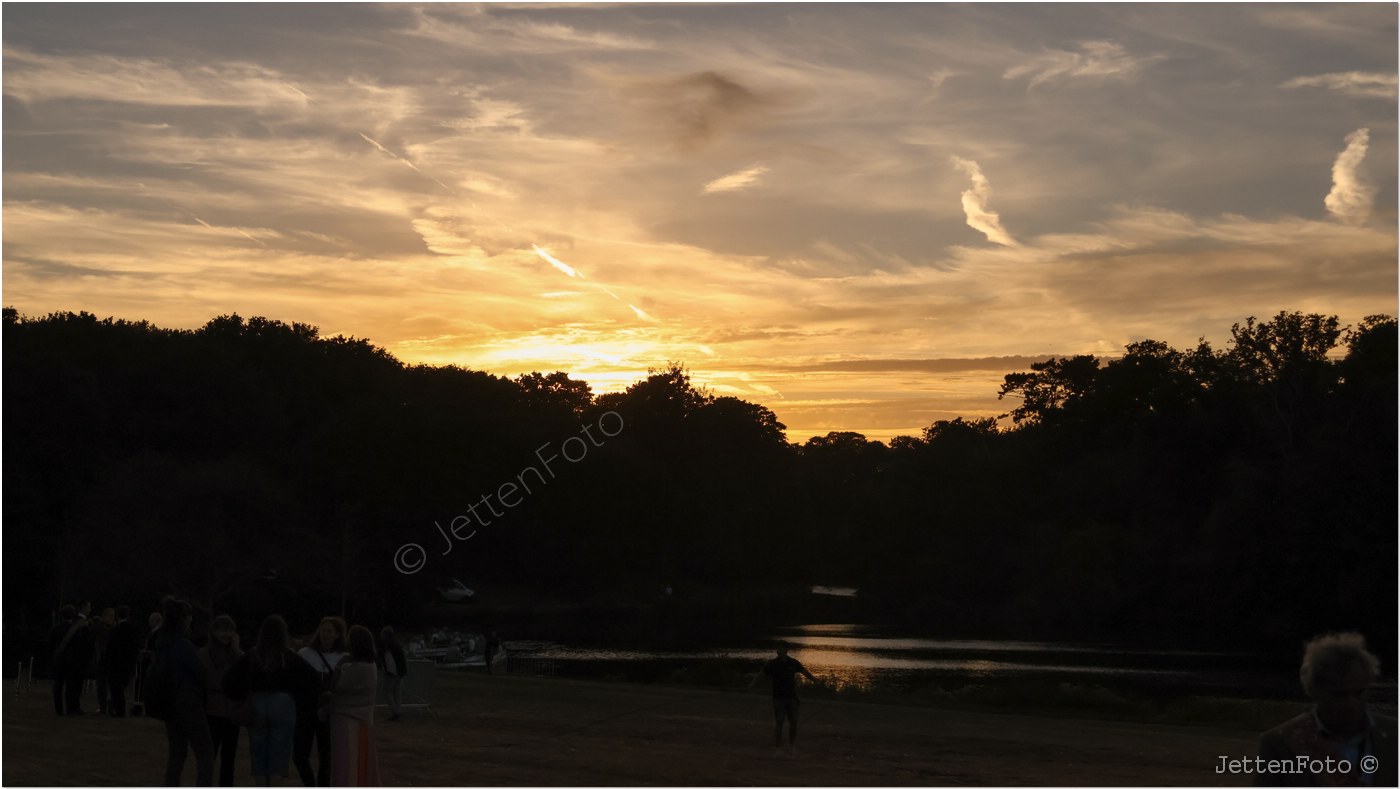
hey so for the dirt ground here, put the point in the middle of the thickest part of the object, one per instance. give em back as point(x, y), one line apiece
point(545, 731)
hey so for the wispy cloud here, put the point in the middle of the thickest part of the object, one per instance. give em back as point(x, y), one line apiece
point(595, 128)
point(477, 26)
point(974, 201)
point(1094, 59)
point(1350, 198)
point(1353, 83)
point(736, 181)
point(33, 77)
point(940, 76)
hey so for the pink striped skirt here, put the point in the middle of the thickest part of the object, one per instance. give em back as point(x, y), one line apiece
point(353, 758)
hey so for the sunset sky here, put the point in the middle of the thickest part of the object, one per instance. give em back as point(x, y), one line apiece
point(858, 216)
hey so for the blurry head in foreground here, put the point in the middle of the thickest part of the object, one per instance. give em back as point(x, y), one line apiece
point(1337, 673)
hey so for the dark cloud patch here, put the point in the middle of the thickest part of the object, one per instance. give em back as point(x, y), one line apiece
point(735, 335)
point(339, 231)
point(22, 265)
point(1166, 285)
point(698, 108)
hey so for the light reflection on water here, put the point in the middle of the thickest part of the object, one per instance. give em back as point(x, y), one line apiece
point(844, 659)
point(850, 636)
point(854, 657)
point(852, 678)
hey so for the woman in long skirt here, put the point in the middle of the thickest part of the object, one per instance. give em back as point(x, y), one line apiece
point(353, 758)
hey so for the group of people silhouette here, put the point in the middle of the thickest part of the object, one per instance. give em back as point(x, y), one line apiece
point(319, 698)
point(105, 647)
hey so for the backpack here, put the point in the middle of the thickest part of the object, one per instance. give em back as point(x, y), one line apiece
point(158, 686)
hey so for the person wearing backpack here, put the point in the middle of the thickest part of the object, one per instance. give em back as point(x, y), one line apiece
point(326, 649)
point(175, 693)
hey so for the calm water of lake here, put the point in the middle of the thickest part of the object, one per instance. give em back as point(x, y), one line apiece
point(865, 657)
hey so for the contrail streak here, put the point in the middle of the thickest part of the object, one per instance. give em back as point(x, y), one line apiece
point(557, 263)
point(410, 165)
point(575, 273)
point(239, 231)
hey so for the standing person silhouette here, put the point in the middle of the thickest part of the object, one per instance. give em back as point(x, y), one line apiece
point(186, 727)
point(354, 760)
point(273, 677)
point(218, 657)
point(82, 652)
point(327, 648)
point(101, 627)
point(123, 647)
point(493, 646)
point(783, 671)
point(62, 642)
point(143, 660)
point(153, 625)
point(395, 664)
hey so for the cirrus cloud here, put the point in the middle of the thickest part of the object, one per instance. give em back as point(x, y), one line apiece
point(391, 172)
point(1094, 59)
point(1352, 83)
point(736, 181)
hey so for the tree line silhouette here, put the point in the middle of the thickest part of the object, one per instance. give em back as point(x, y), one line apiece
point(1201, 495)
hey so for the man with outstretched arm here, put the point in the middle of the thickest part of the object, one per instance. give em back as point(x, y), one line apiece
point(783, 671)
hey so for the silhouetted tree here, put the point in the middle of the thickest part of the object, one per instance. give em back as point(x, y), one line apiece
point(555, 391)
point(1052, 388)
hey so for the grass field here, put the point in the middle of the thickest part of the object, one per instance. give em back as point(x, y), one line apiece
point(542, 731)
